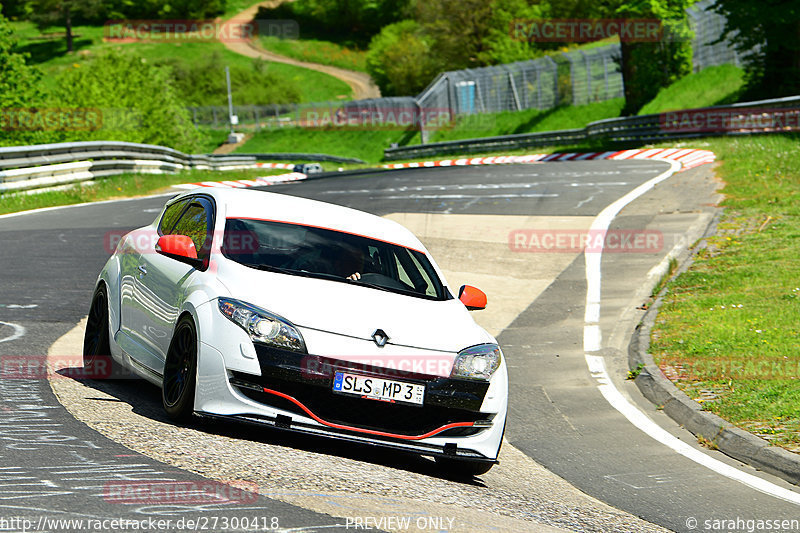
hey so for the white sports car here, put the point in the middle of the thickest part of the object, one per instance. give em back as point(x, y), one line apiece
point(301, 315)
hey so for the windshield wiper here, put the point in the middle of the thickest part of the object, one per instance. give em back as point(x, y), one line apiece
point(270, 268)
point(323, 275)
point(373, 286)
point(292, 272)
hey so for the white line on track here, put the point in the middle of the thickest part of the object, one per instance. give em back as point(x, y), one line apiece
point(19, 332)
point(466, 196)
point(592, 342)
point(85, 204)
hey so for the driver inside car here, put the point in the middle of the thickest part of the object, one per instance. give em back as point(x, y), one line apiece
point(347, 262)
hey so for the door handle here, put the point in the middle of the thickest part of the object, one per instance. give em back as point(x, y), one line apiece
point(142, 270)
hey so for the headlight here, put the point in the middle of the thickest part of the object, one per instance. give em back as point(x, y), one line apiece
point(477, 362)
point(263, 326)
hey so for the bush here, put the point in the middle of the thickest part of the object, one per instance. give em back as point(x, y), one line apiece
point(399, 59)
point(349, 22)
point(204, 84)
point(138, 101)
point(19, 87)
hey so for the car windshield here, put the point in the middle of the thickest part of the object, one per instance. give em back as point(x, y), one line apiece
point(323, 253)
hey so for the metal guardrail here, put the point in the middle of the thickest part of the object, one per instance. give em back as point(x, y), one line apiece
point(287, 156)
point(642, 128)
point(45, 165)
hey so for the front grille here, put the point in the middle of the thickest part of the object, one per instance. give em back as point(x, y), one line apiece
point(309, 379)
point(363, 413)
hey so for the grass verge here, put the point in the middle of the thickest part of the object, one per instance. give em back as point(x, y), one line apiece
point(529, 121)
point(121, 186)
point(47, 50)
point(367, 145)
point(727, 333)
point(711, 86)
point(316, 51)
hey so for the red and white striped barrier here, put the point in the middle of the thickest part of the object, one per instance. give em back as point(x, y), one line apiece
point(687, 157)
point(241, 184)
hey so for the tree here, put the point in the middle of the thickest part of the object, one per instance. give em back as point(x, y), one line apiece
point(352, 22)
point(19, 83)
point(191, 9)
point(19, 90)
point(458, 30)
point(501, 44)
point(649, 66)
point(400, 59)
point(767, 34)
point(15, 9)
point(48, 13)
point(137, 100)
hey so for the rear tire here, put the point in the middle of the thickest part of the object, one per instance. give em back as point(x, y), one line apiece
point(180, 372)
point(97, 360)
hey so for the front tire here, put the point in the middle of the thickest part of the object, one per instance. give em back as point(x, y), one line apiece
point(180, 372)
point(97, 360)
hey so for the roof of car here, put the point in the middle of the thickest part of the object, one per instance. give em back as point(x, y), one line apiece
point(261, 205)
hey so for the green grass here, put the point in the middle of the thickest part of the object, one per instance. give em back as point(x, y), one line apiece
point(121, 186)
point(736, 308)
point(366, 145)
point(712, 86)
point(48, 51)
point(531, 120)
point(232, 7)
point(369, 145)
point(211, 139)
point(315, 51)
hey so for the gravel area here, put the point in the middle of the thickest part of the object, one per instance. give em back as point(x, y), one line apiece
point(339, 479)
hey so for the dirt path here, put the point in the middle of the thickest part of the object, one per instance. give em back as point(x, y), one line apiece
point(361, 83)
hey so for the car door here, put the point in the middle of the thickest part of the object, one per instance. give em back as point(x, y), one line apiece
point(134, 306)
point(164, 280)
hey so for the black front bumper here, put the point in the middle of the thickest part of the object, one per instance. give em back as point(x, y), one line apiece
point(303, 384)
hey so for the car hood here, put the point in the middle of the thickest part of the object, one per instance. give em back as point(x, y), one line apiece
point(356, 311)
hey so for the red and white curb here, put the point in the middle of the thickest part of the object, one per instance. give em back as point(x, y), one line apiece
point(243, 184)
point(687, 157)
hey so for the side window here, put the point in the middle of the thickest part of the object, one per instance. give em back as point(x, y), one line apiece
point(194, 224)
point(402, 275)
point(411, 272)
point(170, 217)
point(429, 288)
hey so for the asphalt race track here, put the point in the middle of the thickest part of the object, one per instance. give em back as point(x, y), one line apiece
point(54, 466)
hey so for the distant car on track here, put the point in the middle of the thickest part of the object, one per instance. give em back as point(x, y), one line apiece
point(305, 316)
point(308, 168)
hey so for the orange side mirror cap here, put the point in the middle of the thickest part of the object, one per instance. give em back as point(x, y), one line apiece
point(473, 298)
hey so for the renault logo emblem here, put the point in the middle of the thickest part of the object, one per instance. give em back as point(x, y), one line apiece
point(380, 337)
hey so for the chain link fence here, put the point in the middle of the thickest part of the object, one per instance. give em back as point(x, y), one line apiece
point(708, 27)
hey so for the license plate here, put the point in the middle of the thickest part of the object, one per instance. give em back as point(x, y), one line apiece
point(379, 388)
